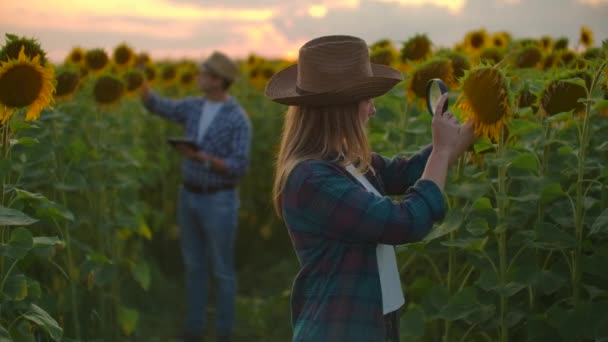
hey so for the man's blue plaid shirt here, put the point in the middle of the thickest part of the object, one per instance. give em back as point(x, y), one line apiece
point(228, 137)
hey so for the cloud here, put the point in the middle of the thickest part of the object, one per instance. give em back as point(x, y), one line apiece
point(596, 3)
point(454, 6)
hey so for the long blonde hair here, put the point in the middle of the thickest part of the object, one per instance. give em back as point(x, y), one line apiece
point(335, 133)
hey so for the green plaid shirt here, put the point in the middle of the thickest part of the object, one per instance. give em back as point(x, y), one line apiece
point(335, 226)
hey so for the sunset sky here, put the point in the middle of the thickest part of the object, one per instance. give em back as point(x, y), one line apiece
point(277, 28)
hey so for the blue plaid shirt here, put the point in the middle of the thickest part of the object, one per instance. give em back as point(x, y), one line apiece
point(228, 137)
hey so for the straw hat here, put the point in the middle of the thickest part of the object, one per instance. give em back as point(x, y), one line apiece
point(332, 70)
point(221, 65)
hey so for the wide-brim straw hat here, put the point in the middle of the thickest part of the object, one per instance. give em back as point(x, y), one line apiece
point(221, 65)
point(332, 70)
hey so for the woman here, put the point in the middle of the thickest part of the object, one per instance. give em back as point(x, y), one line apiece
point(330, 191)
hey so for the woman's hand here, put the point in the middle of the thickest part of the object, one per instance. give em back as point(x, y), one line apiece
point(450, 138)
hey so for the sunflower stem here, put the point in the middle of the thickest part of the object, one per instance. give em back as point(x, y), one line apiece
point(501, 236)
point(579, 216)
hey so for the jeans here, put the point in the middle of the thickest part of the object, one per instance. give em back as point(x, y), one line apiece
point(208, 225)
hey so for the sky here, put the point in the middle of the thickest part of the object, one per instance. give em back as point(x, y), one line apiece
point(277, 28)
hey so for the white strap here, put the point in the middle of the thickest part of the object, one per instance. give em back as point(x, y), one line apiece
point(205, 121)
point(390, 283)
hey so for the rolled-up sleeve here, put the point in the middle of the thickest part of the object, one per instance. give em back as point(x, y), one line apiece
point(399, 173)
point(174, 110)
point(238, 162)
point(335, 205)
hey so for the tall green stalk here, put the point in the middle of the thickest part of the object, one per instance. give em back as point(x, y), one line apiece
point(501, 236)
point(579, 214)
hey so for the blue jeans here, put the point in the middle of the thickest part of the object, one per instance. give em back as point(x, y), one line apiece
point(207, 231)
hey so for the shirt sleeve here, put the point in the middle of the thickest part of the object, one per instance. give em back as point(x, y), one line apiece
point(331, 203)
point(237, 164)
point(174, 110)
point(400, 173)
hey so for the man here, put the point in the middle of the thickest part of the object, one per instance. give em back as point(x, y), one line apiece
point(208, 199)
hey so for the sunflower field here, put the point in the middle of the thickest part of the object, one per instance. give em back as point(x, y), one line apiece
point(89, 246)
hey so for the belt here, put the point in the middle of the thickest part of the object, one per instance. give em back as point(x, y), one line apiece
point(207, 190)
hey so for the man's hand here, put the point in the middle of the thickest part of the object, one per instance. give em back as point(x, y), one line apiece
point(188, 152)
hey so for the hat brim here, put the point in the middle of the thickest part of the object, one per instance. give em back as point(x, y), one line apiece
point(282, 88)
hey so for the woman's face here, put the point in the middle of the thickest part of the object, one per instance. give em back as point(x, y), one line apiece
point(366, 109)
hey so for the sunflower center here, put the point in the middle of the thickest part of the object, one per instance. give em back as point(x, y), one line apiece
point(477, 40)
point(122, 56)
point(20, 86)
point(66, 83)
point(134, 81)
point(440, 69)
point(485, 92)
point(169, 73)
point(96, 61)
point(108, 90)
point(563, 97)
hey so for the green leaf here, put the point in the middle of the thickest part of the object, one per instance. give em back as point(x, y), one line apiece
point(518, 127)
point(601, 104)
point(473, 244)
point(45, 241)
point(600, 226)
point(41, 318)
point(19, 245)
point(525, 161)
point(4, 335)
point(461, 305)
point(452, 222)
point(550, 237)
point(483, 144)
point(412, 323)
point(54, 210)
point(482, 203)
point(26, 195)
point(15, 287)
point(478, 226)
point(127, 318)
point(565, 116)
point(12, 217)
point(25, 141)
point(141, 273)
point(551, 192)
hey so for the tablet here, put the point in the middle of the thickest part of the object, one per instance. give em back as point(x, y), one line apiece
point(182, 140)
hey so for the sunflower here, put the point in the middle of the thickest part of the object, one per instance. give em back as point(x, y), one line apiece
point(25, 82)
point(529, 57)
point(76, 56)
point(187, 78)
point(168, 74)
point(142, 59)
point(490, 55)
point(134, 80)
point(383, 55)
point(439, 67)
point(546, 42)
point(460, 62)
point(417, 48)
point(123, 57)
point(485, 98)
point(526, 99)
point(586, 37)
point(566, 58)
point(150, 72)
point(561, 44)
point(108, 90)
point(500, 40)
point(30, 47)
point(550, 61)
point(67, 83)
point(562, 94)
point(476, 40)
point(96, 61)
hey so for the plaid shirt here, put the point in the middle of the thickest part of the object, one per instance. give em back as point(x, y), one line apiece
point(335, 226)
point(228, 137)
